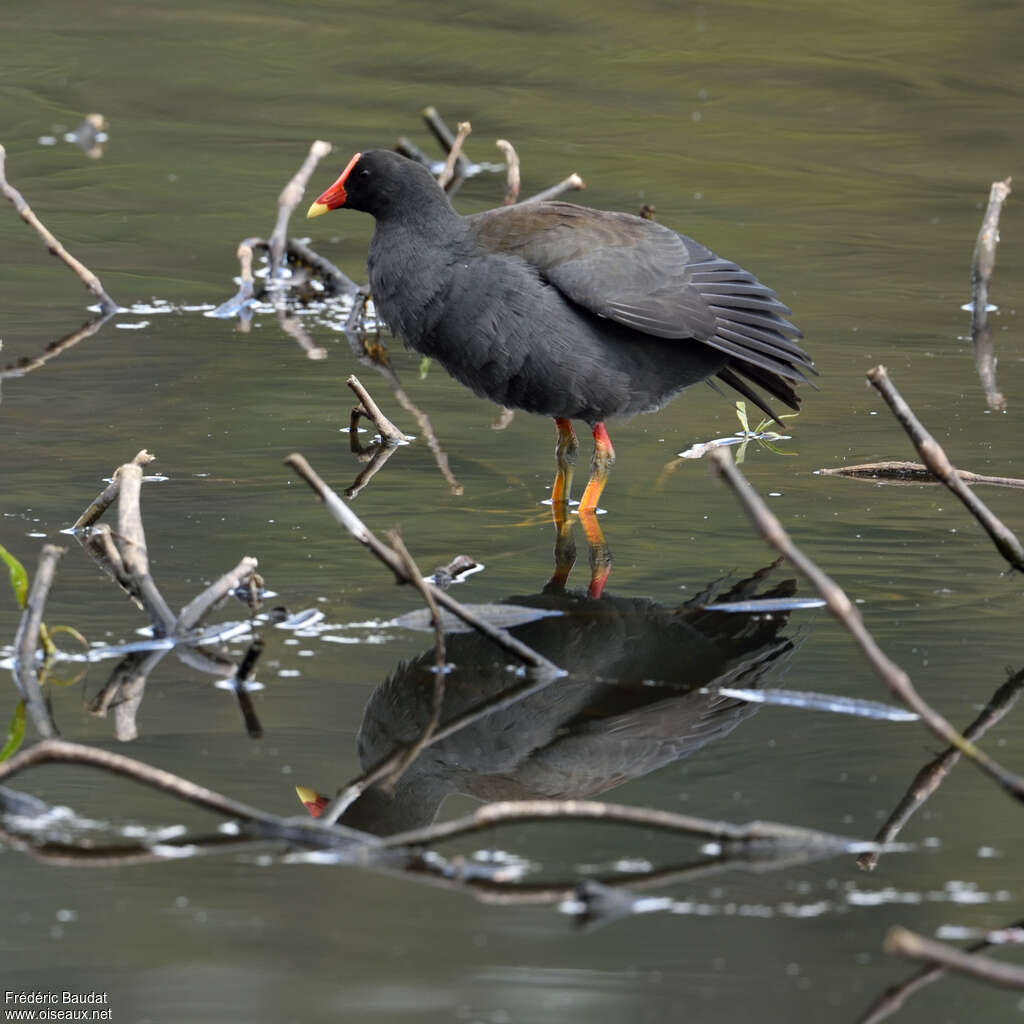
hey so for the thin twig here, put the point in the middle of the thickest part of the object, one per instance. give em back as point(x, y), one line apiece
point(511, 171)
point(898, 472)
point(347, 518)
point(27, 641)
point(61, 751)
point(387, 430)
point(378, 359)
point(938, 462)
point(574, 181)
point(289, 198)
point(916, 947)
point(503, 811)
point(85, 275)
point(933, 774)
point(894, 677)
point(446, 137)
point(448, 171)
point(108, 495)
point(201, 605)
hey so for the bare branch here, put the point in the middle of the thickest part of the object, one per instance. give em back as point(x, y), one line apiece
point(909, 944)
point(448, 171)
point(503, 811)
point(289, 198)
point(108, 495)
point(938, 462)
point(984, 261)
point(574, 181)
point(201, 605)
point(387, 430)
point(85, 275)
point(933, 774)
point(844, 610)
point(347, 518)
point(134, 552)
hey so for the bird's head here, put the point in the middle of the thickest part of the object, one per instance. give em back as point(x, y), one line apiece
point(375, 182)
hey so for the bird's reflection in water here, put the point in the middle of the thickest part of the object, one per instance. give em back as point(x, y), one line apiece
point(632, 701)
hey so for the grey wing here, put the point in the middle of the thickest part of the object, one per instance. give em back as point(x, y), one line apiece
point(648, 277)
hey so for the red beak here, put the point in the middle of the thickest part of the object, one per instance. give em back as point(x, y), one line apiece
point(335, 195)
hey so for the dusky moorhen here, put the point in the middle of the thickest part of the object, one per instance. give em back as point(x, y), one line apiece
point(564, 310)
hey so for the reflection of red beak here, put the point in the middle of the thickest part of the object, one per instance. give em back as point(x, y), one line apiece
point(312, 800)
point(335, 195)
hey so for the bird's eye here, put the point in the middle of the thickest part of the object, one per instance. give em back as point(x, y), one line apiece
point(364, 173)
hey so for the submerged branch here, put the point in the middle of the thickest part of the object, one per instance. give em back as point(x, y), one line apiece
point(895, 471)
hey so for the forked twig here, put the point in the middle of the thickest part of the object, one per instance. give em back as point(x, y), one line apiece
point(448, 171)
point(387, 430)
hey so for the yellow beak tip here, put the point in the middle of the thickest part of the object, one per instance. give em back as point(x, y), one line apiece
point(316, 209)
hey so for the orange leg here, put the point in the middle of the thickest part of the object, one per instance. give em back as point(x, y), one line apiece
point(565, 458)
point(604, 458)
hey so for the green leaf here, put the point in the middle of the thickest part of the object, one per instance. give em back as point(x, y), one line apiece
point(424, 367)
point(741, 415)
point(15, 732)
point(19, 578)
